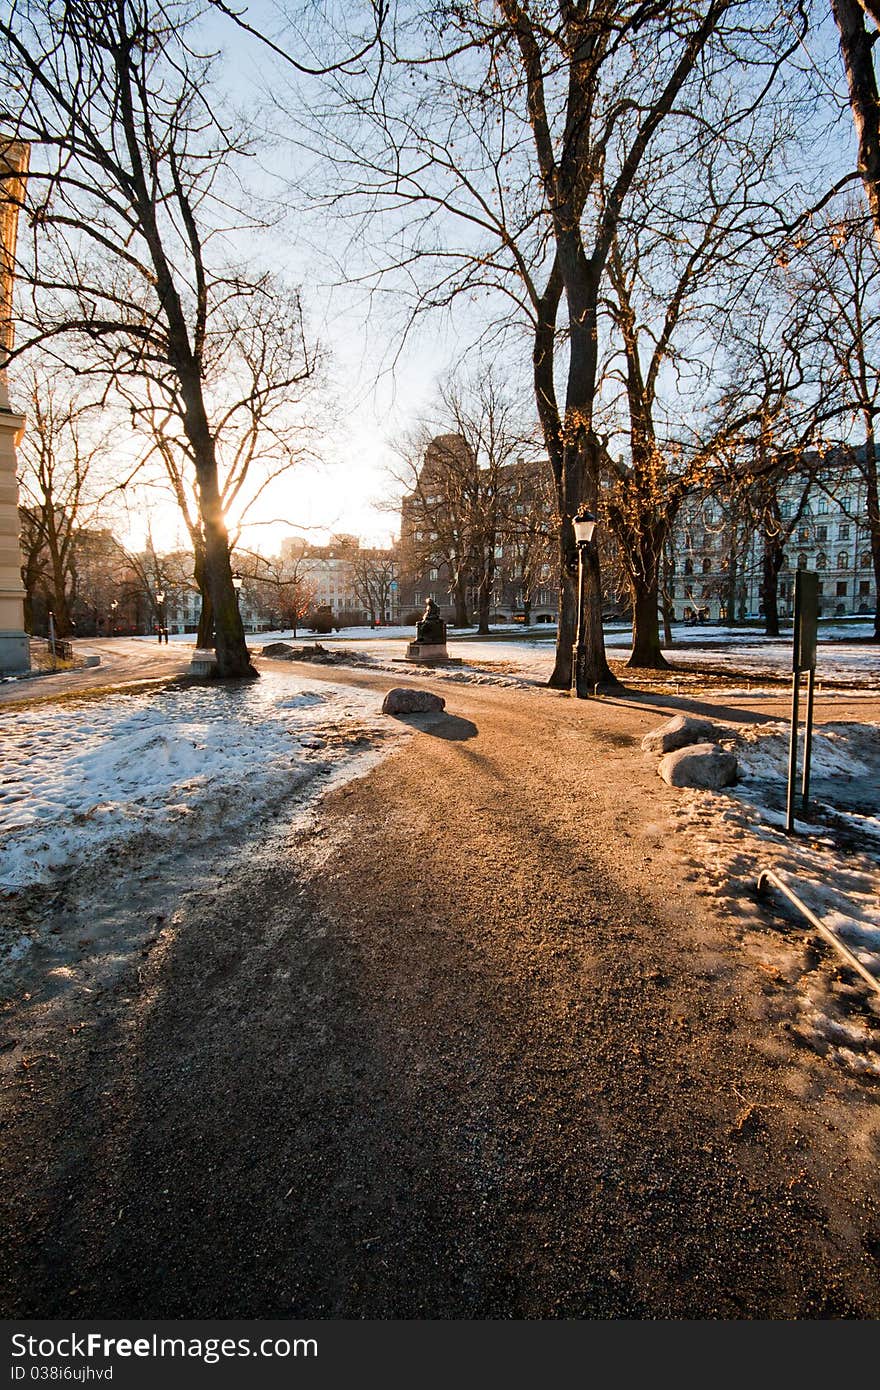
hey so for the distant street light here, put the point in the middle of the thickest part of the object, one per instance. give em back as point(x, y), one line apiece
point(160, 612)
point(113, 607)
point(584, 523)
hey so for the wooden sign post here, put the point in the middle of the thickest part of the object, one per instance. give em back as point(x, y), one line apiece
point(806, 625)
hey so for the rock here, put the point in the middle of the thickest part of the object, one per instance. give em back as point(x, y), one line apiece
point(92, 661)
point(402, 700)
point(283, 649)
point(680, 731)
point(699, 765)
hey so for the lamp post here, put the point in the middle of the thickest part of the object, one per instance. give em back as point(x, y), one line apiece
point(584, 523)
point(113, 607)
point(160, 612)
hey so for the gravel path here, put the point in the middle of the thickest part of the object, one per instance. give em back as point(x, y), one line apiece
point(470, 1043)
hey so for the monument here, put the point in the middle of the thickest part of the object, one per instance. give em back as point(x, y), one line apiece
point(429, 648)
point(14, 645)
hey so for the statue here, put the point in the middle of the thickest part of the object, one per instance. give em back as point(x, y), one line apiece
point(431, 629)
point(429, 648)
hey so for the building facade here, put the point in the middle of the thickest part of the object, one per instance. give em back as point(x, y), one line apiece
point(715, 572)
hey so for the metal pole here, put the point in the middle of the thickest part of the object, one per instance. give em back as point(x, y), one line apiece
point(768, 876)
point(808, 740)
point(52, 635)
point(577, 675)
point(792, 754)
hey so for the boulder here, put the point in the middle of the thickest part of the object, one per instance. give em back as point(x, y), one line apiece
point(699, 765)
point(94, 660)
point(678, 732)
point(402, 700)
point(282, 649)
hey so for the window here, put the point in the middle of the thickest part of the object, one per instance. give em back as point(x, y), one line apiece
point(841, 588)
point(843, 560)
point(802, 561)
point(865, 560)
point(432, 574)
point(688, 590)
point(822, 506)
point(821, 533)
point(821, 560)
point(803, 533)
point(820, 587)
point(864, 587)
point(688, 566)
point(843, 531)
point(707, 566)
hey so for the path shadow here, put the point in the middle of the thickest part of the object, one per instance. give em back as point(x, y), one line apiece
point(448, 726)
point(684, 704)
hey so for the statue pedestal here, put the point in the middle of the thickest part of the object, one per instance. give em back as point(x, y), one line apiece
point(429, 653)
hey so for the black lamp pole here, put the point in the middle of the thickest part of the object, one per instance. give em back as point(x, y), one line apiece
point(584, 523)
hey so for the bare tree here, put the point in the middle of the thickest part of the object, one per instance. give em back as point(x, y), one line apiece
point(836, 274)
point(374, 577)
point(279, 587)
point(62, 482)
point(133, 204)
point(527, 129)
point(259, 374)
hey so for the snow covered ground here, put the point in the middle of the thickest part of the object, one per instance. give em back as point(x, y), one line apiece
point(526, 657)
point(136, 772)
point(833, 863)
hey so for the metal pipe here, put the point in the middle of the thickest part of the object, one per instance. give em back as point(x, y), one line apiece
point(808, 743)
point(792, 754)
point(768, 876)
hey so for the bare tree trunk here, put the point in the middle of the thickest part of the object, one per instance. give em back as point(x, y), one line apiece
point(646, 649)
point(771, 565)
point(873, 518)
point(233, 658)
point(459, 598)
point(856, 47)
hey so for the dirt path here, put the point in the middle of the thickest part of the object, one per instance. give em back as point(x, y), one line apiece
point(470, 1045)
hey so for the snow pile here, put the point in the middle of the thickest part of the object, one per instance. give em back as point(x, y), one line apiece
point(140, 771)
point(844, 751)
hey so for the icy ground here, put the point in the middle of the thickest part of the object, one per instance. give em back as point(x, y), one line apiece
point(88, 778)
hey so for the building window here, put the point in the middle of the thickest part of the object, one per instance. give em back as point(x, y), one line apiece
point(865, 561)
point(821, 560)
point(803, 533)
point(820, 587)
point(843, 560)
point(822, 506)
point(864, 588)
point(688, 566)
point(841, 588)
point(821, 533)
point(843, 531)
point(707, 566)
point(802, 561)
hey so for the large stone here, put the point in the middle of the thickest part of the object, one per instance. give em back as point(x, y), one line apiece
point(678, 732)
point(702, 765)
point(402, 700)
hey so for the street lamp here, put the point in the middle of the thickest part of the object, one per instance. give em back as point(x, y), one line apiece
point(584, 523)
point(113, 607)
point(160, 599)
